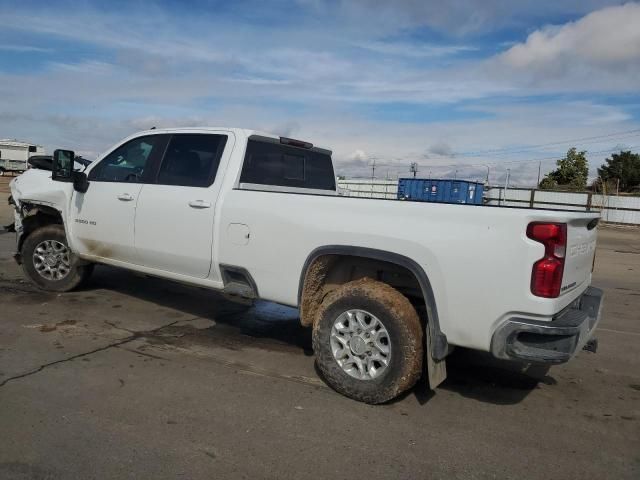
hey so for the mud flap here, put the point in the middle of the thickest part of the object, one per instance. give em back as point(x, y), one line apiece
point(436, 370)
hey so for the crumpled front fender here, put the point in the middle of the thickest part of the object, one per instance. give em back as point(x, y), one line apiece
point(34, 193)
point(36, 187)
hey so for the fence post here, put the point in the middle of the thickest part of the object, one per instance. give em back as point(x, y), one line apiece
point(589, 201)
point(531, 199)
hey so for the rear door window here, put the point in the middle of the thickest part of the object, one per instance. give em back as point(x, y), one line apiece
point(191, 160)
point(275, 164)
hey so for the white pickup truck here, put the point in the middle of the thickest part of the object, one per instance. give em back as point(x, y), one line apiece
point(389, 287)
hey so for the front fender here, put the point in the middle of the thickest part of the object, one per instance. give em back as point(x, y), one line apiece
point(35, 193)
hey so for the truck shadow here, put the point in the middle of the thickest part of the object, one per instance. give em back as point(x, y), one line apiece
point(480, 376)
point(263, 324)
point(472, 374)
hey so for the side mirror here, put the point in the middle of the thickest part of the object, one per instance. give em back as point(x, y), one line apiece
point(80, 182)
point(62, 170)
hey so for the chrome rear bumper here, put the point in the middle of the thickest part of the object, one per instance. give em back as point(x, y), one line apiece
point(550, 342)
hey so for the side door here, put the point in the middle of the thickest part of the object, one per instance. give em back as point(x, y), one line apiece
point(175, 215)
point(102, 219)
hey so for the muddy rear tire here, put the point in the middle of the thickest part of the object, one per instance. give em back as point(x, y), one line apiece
point(49, 263)
point(368, 341)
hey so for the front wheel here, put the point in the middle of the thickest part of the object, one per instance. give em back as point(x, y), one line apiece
point(368, 341)
point(49, 263)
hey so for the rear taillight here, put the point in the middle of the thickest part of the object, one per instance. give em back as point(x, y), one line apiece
point(546, 276)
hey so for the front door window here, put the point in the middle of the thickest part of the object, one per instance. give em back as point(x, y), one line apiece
point(129, 162)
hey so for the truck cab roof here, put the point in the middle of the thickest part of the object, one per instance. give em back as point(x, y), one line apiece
point(246, 132)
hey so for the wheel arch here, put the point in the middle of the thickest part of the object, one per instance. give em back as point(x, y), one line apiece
point(35, 216)
point(320, 262)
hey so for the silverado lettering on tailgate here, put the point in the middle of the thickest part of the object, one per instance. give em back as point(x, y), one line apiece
point(582, 249)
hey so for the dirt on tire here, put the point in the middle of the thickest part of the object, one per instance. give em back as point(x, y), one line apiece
point(408, 331)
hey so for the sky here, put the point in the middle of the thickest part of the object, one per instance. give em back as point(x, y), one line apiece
point(463, 88)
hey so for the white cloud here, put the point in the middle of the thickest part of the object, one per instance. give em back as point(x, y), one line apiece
point(358, 156)
point(416, 50)
point(7, 47)
point(607, 39)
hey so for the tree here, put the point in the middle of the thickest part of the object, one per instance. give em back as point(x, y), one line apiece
point(571, 174)
point(623, 167)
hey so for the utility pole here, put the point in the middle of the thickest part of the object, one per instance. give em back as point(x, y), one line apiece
point(487, 174)
point(506, 185)
point(455, 174)
point(373, 170)
point(617, 194)
point(414, 169)
point(539, 169)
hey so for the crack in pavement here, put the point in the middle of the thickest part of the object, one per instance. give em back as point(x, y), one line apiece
point(115, 326)
point(238, 367)
point(130, 338)
point(140, 352)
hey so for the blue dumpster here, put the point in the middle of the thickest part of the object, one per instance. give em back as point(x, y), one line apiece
point(444, 191)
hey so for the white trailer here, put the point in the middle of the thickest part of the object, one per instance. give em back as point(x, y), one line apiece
point(14, 155)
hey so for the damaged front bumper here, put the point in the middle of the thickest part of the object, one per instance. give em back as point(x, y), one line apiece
point(550, 342)
point(15, 227)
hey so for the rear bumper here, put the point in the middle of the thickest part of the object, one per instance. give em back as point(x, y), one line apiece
point(550, 342)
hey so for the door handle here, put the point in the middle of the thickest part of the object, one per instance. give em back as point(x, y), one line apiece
point(125, 197)
point(199, 204)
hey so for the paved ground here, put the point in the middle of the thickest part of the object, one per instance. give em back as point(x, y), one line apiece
point(141, 378)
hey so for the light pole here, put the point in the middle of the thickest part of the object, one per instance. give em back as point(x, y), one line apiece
point(506, 185)
point(487, 174)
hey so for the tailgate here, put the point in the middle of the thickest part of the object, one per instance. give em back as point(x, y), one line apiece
point(581, 247)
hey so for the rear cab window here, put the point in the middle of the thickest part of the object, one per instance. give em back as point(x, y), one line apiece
point(269, 162)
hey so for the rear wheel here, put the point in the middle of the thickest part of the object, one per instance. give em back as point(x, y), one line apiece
point(49, 263)
point(368, 341)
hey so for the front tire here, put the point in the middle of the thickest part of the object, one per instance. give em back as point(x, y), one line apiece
point(48, 261)
point(368, 341)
